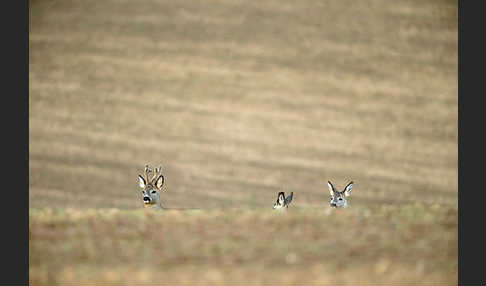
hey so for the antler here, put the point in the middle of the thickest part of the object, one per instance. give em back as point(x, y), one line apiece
point(158, 172)
point(146, 173)
point(156, 175)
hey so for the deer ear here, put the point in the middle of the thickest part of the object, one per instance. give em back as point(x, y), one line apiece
point(347, 189)
point(141, 182)
point(289, 198)
point(160, 182)
point(331, 187)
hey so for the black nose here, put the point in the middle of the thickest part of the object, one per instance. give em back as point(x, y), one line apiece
point(146, 199)
point(333, 204)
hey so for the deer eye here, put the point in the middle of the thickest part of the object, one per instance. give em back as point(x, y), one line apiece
point(153, 192)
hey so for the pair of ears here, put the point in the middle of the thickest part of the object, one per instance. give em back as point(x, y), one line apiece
point(158, 183)
point(347, 189)
point(281, 196)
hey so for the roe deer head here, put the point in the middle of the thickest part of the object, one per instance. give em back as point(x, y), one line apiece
point(338, 199)
point(282, 201)
point(151, 187)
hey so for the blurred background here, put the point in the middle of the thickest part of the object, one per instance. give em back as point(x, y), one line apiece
point(238, 100)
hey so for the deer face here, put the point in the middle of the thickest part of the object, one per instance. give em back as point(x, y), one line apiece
point(338, 199)
point(151, 187)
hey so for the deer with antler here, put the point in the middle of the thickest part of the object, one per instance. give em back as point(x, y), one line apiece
point(151, 187)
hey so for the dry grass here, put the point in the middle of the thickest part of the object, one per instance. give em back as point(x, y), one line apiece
point(239, 100)
point(384, 245)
